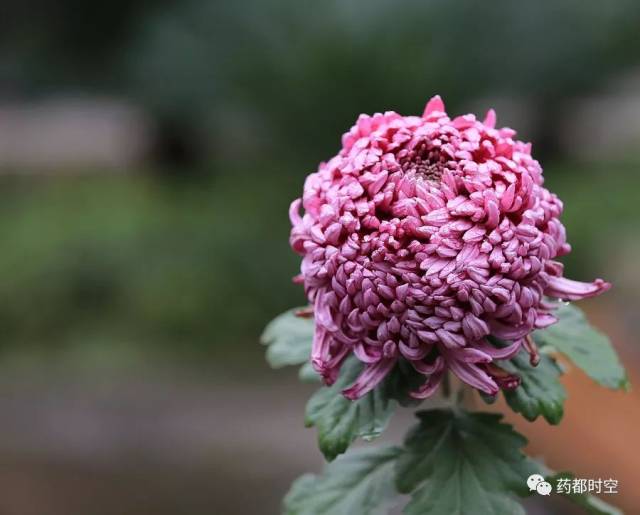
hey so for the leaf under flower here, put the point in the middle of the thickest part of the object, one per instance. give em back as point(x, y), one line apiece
point(289, 338)
point(307, 374)
point(340, 421)
point(585, 346)
point(457, 463)
point(453, 462)
point(360, 483)
point(540, 391)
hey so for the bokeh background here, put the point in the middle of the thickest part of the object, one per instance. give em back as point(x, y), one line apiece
point(148, 155)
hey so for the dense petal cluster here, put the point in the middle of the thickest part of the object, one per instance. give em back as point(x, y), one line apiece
point(422, 238)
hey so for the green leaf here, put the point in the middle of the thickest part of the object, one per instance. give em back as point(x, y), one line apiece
point(459, 463)
point(360, 483)
point(488, 399)
point(340, 421)
point(540, 392)
point(593, 504)
point(307, 374)
point(289, 338)
point(587, 347)
point(590, 503)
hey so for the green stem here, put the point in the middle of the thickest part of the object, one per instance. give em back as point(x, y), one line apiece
point(446, 387)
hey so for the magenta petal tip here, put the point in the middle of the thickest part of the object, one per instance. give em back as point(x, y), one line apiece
point(490, 119)
point(567, 289)
point(435, 105)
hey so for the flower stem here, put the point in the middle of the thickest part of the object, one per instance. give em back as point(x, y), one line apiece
point(446, 387)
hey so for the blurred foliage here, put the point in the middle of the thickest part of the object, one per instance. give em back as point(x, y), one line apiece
point(255, 94)
point(600, 213)
point(268, 77)
point(139, 261)
point(199, 266)
point(66, 45)
point(289, 76)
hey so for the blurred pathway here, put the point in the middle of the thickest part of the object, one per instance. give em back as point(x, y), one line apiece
point(167, 441)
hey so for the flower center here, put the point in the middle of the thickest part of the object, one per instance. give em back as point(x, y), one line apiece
point(425, 161)
point(428, 169)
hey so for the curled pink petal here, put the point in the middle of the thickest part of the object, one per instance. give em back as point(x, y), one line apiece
point(429, 387)
point(567, 289)
point(369, 379)
point(502, 378)
point(429, 368)
point(490, 119)
point(435, 104)
point(509, 332)
point(474, 375)
point(473, 355)
point(322, 312)
point(413, 353)
point(474, 328)
point(321, 351)
point(545, 320)
point(294, 212)
point(507, 352)
point(366, 354)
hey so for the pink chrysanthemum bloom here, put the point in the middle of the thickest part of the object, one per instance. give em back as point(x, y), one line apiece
point(421, 238)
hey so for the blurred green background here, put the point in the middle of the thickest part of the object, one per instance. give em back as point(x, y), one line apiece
point(149, 152)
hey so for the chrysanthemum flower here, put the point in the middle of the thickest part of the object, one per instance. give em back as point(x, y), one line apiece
point(421, 238)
